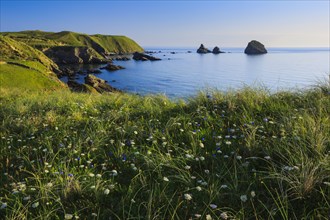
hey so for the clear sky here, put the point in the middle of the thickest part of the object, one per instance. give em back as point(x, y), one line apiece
point(179, 23)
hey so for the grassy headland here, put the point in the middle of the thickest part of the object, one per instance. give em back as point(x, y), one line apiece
point(241, 155)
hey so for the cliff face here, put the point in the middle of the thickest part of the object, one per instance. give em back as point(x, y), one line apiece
point(70, 47)
point(73, 55)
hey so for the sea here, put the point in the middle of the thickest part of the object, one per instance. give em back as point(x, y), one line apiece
point(183, 73)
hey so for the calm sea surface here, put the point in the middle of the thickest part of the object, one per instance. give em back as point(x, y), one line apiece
point(182, 74)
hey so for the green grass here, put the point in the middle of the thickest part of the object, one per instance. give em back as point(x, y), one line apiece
point(28, 77)
point(99, 43)
point(246, 154)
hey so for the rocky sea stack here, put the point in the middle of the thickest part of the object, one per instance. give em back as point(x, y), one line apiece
point(216, 50)
point(144, 57)
point(255, 47)
point(203, 49)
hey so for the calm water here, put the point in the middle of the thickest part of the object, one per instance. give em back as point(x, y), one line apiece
point(182, 74)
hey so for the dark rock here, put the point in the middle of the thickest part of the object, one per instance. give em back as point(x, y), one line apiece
point(172, 52)
point(203, 49)
point(76, 87)
point(188, 51)
point(255, 47)
point(95, 71)
point(122, 58)
point(98, 84)
point(144, 57)
point(112, 67)
point(216, 50)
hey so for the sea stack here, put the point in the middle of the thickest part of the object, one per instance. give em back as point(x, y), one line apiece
point(255, 47)
point(203, 49)
point(216, 50)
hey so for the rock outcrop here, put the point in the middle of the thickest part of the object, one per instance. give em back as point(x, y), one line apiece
point(74, 55)
point(144, 57)
point(203, 49)
point(216, 50)
point(255, 47)
point(112, 67)
point(98, 84)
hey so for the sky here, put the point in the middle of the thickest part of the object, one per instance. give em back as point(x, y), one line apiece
point(179, 23)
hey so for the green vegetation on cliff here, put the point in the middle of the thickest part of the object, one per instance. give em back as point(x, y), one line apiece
point(22, 66)
point(100, 43)
point(241, 155)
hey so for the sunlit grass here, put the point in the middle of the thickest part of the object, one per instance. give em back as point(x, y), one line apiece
point(246, 154)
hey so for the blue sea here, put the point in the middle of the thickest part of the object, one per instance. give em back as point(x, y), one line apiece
point(182, 74)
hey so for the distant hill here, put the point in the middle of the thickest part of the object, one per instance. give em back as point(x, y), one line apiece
point(102, 44)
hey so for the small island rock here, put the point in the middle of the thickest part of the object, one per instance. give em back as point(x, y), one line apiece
point(255, 47)
point(144, 57)
point(203, 49)
point(216, 50)
point(112, 67)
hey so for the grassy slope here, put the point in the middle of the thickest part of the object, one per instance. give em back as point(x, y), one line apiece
point(125, 157)
point(25, 67)
point(66, 38)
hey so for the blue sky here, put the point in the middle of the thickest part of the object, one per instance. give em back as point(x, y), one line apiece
point(179, 23)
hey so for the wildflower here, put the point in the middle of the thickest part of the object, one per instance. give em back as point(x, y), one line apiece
point(181, 130)
point(94, 214)
point(224, 215)
point(49, 185)
point(165, 179)
point(243, 198)
point(93, 187)
point(224, 186)
point(208, 217)
point(98, 175)
point(202, 158)
point(68, 216)
point(187, 196)
point(201, 145)
point(198, 215)
point(187, 167)
point(91, 174)
point(228, 142)
point(114, 173)
point(207, 171)
point(267, 157)
point(35, 205)
point(253, 194)
point(3, 206)
point(106, 191)
point(135, 132)
point(199, 188)
point(239, 157)
point(213, 206)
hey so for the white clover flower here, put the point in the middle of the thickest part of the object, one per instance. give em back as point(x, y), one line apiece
point(135, 132)
point(253, 194)
point(98, 175)
point(208, 217)
point(3, 205)
point(165, 179)
point(114, 173)
point(91, 174)
point(181, 130)
point(199, 188)
point(201, 144)
point(243, 198)
point(187, 196)
point(187, 167)
point(228, 142)
point(224, 215)
point(213, 206)
point(198, 215)
point(202, 158)
point(106, 191)
point(68, 216)
point(93, 187)
point(49, 185)
point(35, 205)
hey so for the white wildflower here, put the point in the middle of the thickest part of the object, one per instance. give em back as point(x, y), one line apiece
point(106, 191)
point(35, 205)
point(187, 196)
point(253, 194)
point(243, 198)
point(68, 216)
point(165, 179)
point(224, 215)
point(208, 217)
point(213, 206)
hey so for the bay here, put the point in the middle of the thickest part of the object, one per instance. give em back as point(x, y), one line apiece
point(182, 74)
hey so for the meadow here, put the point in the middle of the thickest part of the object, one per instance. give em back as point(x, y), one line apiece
point(244, 154)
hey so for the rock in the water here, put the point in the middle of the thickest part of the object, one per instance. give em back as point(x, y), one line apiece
point(112, 67)
point(216, 50)
point(99, 84)
point(122, 58)
point(255, 47)
point(203, 49)
point(144, 57)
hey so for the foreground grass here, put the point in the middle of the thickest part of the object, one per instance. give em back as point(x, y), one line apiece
point(241, 155)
